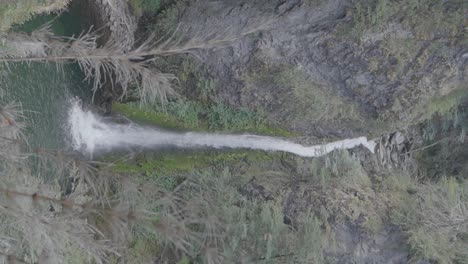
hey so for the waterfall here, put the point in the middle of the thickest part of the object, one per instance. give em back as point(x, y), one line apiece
point(90, 134)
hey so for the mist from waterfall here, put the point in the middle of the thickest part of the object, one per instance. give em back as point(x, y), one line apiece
point(90, 133)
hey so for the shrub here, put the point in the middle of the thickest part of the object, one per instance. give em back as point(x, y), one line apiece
point(255, 231)
point(342, 168)
point(434, 219)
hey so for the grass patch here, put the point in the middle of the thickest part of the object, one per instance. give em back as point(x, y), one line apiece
point(221, 117)
point(184, 115)
point(151, 117)
point(168, 169)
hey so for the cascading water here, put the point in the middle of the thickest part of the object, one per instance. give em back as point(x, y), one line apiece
point(90, 133)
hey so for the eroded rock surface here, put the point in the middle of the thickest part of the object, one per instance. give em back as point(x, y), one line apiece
point(308, 48)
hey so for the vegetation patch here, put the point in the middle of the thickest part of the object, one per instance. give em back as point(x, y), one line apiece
point(256, 231)
point(425, 17)
point(300, 96)
point(432, 217)
point(151, 117)
point(439, 105)
point(169, 168)
point(188, 115)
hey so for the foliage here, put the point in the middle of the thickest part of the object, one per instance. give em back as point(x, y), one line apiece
point(447, 154)
point(342, 168)
point(85, 214)
point(183, 114)
point(149, 116)
point(255, 231)
point(441, 105)
point(186, 111)
point(168, 18)
point(310, 242)
point(168, 166)
point(222, 117)
point(47, 225)
point(433, 217)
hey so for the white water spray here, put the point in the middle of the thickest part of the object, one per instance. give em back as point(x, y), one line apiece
point(90, 134)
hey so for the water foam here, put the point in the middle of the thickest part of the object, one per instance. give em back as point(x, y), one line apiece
point(90, 133)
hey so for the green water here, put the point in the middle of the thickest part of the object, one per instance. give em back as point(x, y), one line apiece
point(44, 91)
point(44, 94)
point(67, 24)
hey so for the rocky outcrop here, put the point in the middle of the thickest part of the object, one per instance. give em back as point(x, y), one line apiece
point(393, 149)
point(381, 75)
point(112, 18)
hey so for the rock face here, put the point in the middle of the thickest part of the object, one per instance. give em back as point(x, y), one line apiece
point(393, 150)
point(112, 17)
point(309, 54)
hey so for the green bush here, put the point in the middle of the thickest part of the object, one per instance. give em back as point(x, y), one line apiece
point(434, 217)
point(187, 111)
point(339, 167)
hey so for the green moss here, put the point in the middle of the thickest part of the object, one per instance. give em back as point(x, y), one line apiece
point(169, 169)
point(149, 117)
